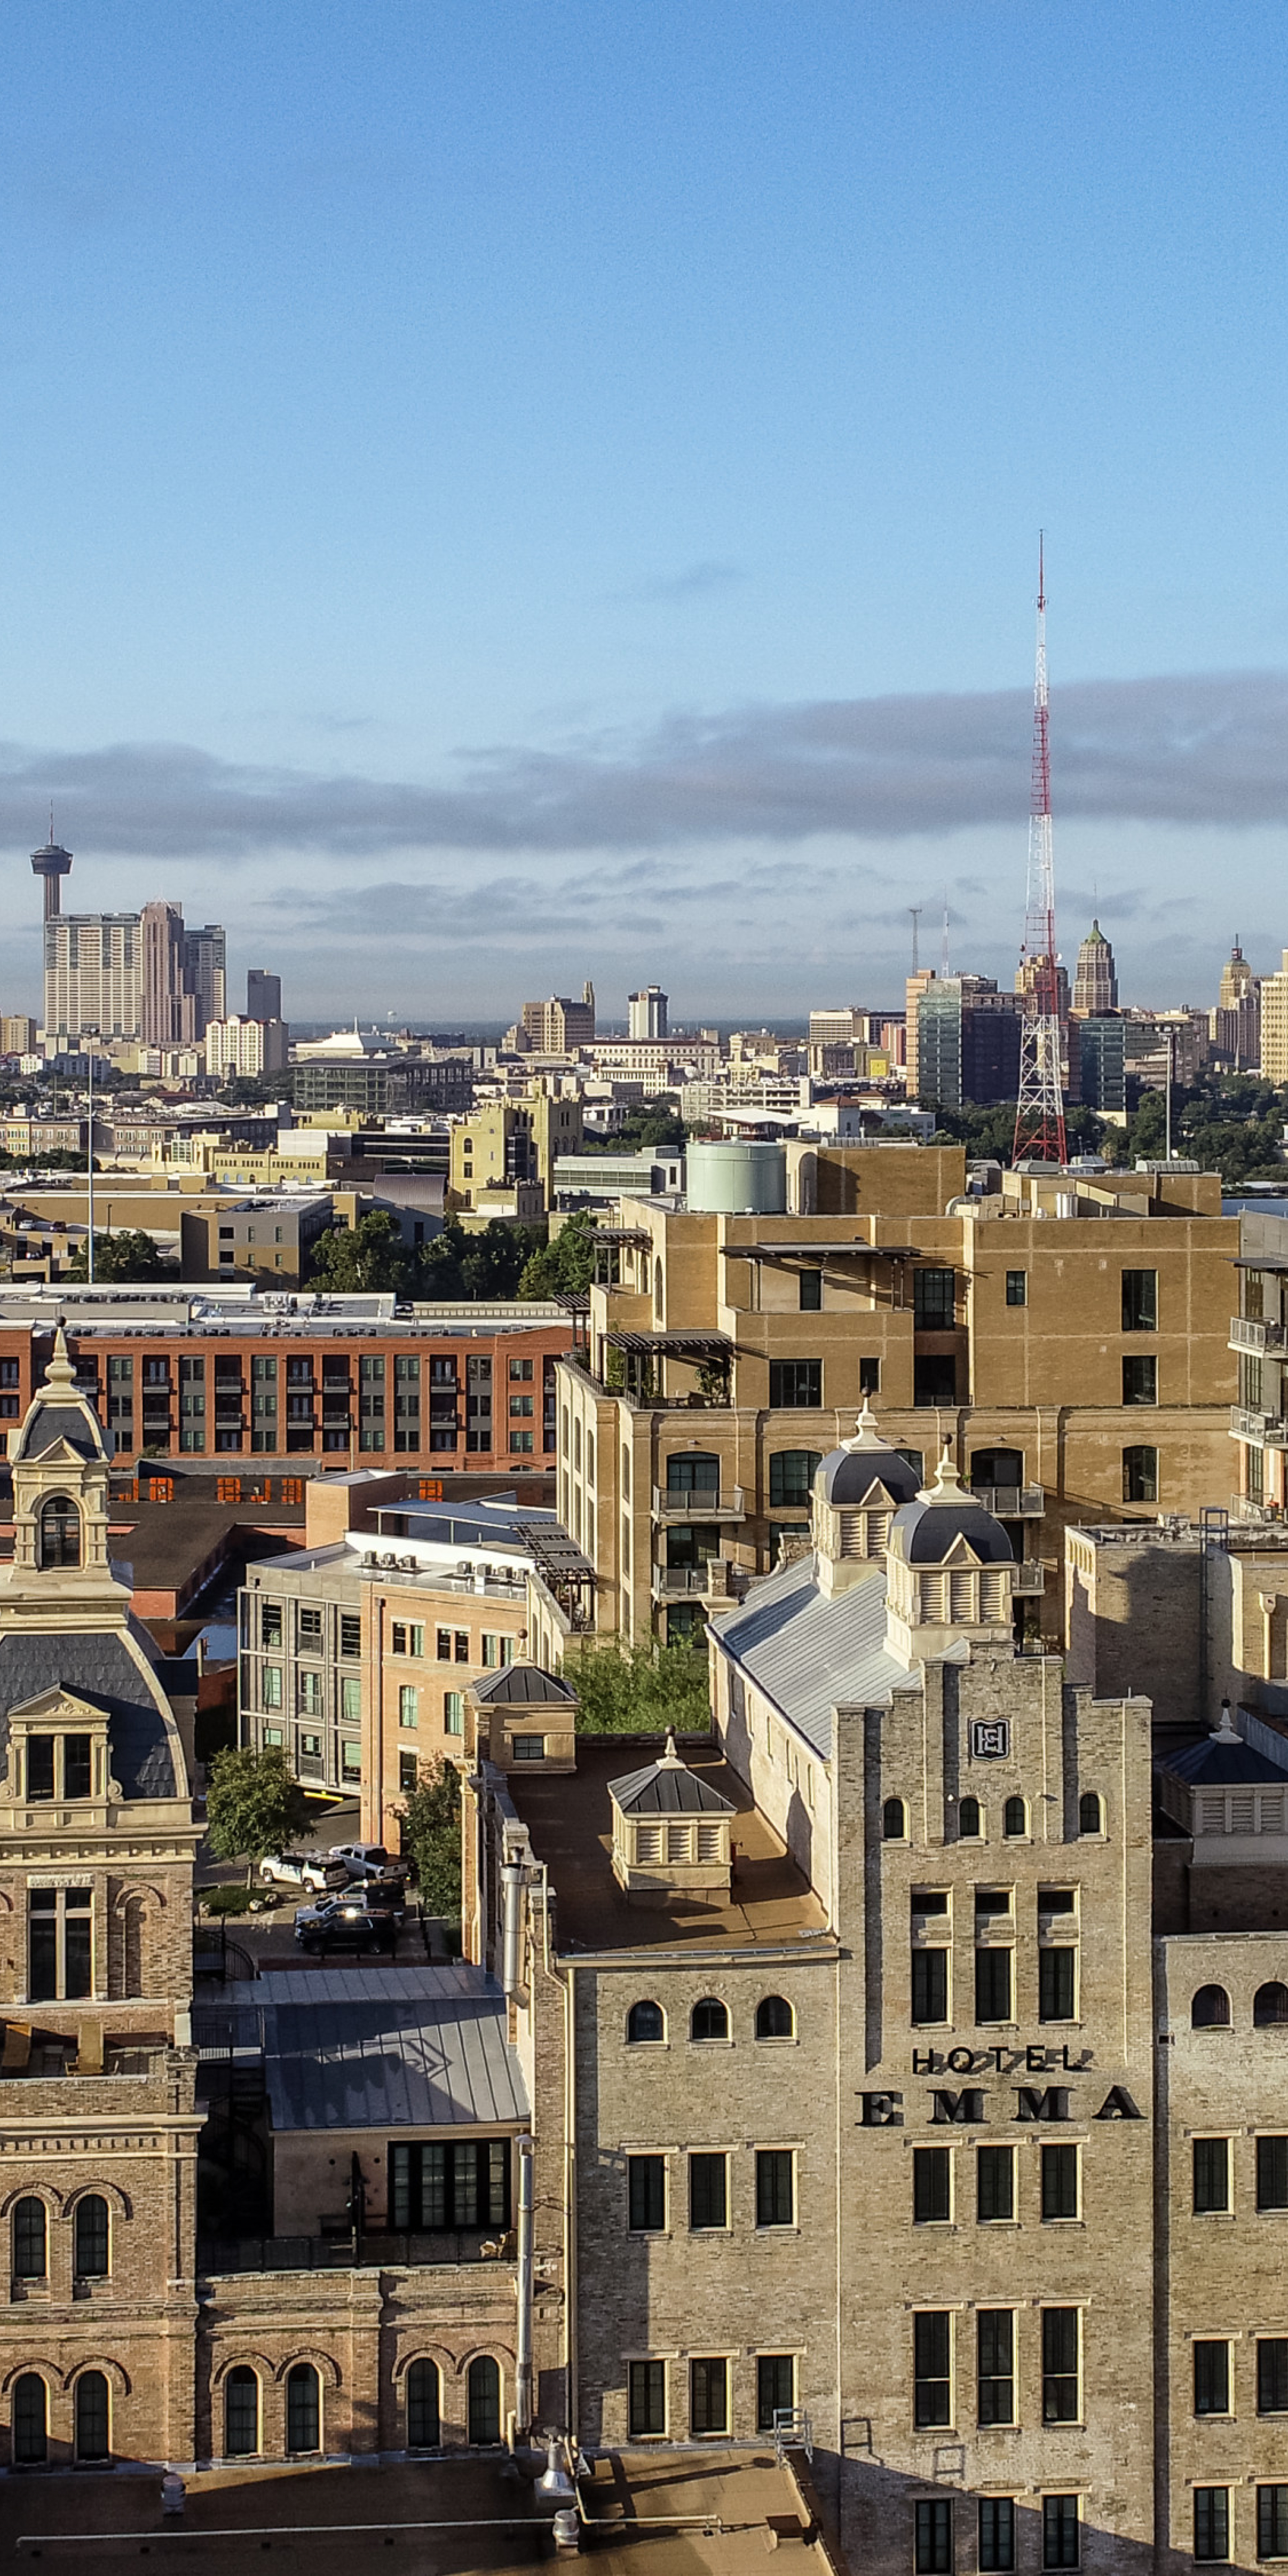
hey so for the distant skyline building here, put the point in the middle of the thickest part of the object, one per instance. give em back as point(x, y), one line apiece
point(132, 975)
point(646, 1012)
point(558, 1026)
point(51, 865)
point(1095, 982)
point(968, 1042)
point(263, 995)
point(244, 1046)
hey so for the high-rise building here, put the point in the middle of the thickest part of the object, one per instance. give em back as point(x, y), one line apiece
point(17, 1034)
point(165, 1022)
point(237, 1045)
point(50, 865)
point(1101, 1045)
point(1235, 1025)
point(263, 995)
point(1095, 982)
point(557, 1026)
point(93, 975)
point(646, 1012)
point(1274, 1023)
point(204, 975)
point(968, 1041)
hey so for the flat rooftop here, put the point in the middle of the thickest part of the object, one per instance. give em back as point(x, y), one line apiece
point(728, 2508)
point(570, 1821)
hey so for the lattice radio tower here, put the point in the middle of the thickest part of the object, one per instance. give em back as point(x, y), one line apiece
point(1039, 1117)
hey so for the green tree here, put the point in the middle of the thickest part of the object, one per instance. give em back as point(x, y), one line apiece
point(253, 1806)
point(431, 1833)
point(657, 1129)
point(370, 1255)
point(640, 1689)
point(127, 1255)
point(493, 1260)
point(565, 1265)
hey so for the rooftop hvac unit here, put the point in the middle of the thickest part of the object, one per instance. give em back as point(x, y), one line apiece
point(408, 1564)
point(370, 1557)
point(389, 1560)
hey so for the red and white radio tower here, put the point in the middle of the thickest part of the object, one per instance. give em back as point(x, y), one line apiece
point(1039, 1117)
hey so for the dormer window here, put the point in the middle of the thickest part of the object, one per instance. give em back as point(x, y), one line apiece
point(60, 1766)
point(60, 1532)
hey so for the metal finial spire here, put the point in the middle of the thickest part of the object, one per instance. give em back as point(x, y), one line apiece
point(1039, 1118)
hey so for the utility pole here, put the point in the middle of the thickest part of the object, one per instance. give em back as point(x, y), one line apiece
point(1039, 1116)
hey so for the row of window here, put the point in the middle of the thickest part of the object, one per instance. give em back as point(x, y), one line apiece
point(1214, 2524)
point(1214, 2375)
point(936, 2183)
point(91, 2239)
point(1213, 2175)
point(934, 2533)
point(994, 1956)
point(971, 1822)
point(938, 2398)
point(648, 2395)
point(243, 2411)
point(708, 2191)
point(1210, 2009)
point(709, 2020)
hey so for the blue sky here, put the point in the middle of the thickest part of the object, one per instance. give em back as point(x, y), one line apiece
point(498, 493)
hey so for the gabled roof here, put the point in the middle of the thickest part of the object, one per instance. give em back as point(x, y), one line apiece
point(810, 1653)
point(667, 1787)
point(525, 1686)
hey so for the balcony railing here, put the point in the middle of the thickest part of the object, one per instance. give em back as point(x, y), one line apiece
point(1011, 1502)
point(345, 2252)
point(1267, 1430)
point(683, 1582)
point(703, 1503)
point(1249, 1333)
point(1029, 1578)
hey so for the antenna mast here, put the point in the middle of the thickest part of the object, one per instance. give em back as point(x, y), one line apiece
point(916, 910)
point(1039, 1117)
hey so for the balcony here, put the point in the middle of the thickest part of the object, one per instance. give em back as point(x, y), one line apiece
point(1011, 1502)
point(1264, 1430)
point(703, 1503)
point(709, 1582)
point(1029, 1579)
point(1249, 1333)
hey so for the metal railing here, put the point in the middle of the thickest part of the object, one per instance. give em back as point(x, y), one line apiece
point(347, 2251)
point(1248, 1422)
point(1011, 1502)
point(1250, 1333)
point(671, 1582)
point(702, 1503)
point(1029, 1578)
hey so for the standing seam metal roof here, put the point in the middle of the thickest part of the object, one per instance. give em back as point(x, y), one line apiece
point(394, 2048)
point(808, 1653)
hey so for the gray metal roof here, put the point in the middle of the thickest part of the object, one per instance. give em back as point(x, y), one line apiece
point(667, 1788)
point(524, 1685)
point(388, 2048)
point(929, 1532)
point(808, 1653)
point(98, 1665)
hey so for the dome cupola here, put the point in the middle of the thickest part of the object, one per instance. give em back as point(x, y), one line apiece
point(857, 1491)
point(950, 1571)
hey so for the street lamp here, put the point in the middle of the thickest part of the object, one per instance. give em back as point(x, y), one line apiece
point(90, 1034)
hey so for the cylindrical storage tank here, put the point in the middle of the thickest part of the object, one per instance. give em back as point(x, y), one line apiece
point(736, 1178)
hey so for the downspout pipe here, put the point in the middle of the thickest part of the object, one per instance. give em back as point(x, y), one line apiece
point(511, 1907)
point(524, 2396)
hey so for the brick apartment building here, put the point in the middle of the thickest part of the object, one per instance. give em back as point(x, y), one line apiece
point(347, 1381)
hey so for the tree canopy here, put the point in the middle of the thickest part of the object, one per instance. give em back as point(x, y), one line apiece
point(131, 1254)
point(370, 1255)
point(639, 1689)
point(655, 1127)
point(565, 1265)
point(431, 1829)
point(253, 1806)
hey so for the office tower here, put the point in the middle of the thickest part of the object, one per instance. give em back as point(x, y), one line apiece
point(93, 977)
point(1095, 982)
point(204, 973)
point(968, 1041)
point(559, 1025)
point(646, 1012)
point(51, 864)
point(163, 1014)
point(263, 995)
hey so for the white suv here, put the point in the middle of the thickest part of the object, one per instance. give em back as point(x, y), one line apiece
point(292, 1869)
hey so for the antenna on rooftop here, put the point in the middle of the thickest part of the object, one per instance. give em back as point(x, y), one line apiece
point(1039, 1116)
point(916, 910)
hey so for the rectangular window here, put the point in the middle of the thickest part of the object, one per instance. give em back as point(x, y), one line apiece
point(992, 1985)
point(351, 1761)
point(1272, 2522)
point(795, 1385)
point(271, 1623)
point(810, 1285)
point(1272, 2173)
point(1140, 1381)
point(350, 1632)
point(1056, 1983)
point(775, 2389)
point(994, 2184)
point(1211, 2525)
point(870, 1375)
point(1060, 2390)
point(995, 2347)
point(647, 2397)
point(646, 2194)
point(520, 1443)
point(1140, 1301)
point(443, 1646)
point(708, 2396)
point(775, 2187)
point(310, 1636)
point(60, 1945)
point(408, 1705)
point(1211, 2174)
point(932, 2367)
point(932, 2531)
point(272, 1686)
point(408, 1773)
point(350, 1698)
point(520, 1372)
point(453, 1712)
point(1212, 2378)
point(708, 2191)
point(309, 1694)
point(462, 1645)
point(996, 2535)
point(931, 2186)
point(1060, 2182)
point(465, 2184)
point(930, 1985)
point(1017, 1287)
point(1140, 1475)
point(521, 1408)
point(934, 1301)
point(1060, 2531)
point(527, 1748)
point(1272, 2375)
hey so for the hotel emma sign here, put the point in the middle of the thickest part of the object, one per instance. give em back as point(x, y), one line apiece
point(968, 2106)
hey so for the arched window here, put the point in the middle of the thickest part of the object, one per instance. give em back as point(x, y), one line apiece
point(969, 1822)
point(791, 1477)
point(90, 2231)
point(894, 1821)
point(30, 2420)
point(775, 2018)
point(303, 2408)
point(424, 2428)
point(1090, 1812)
point(241, 2412)
point(1269, 2005)
point(657, 1288)
point(484, 2399)
point(29, 2233)
point(1210, 2009)
point(91, 2430)
point(60, 1531)
point(645, 2023)
point(1015, 1818)
point(710, 2019)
